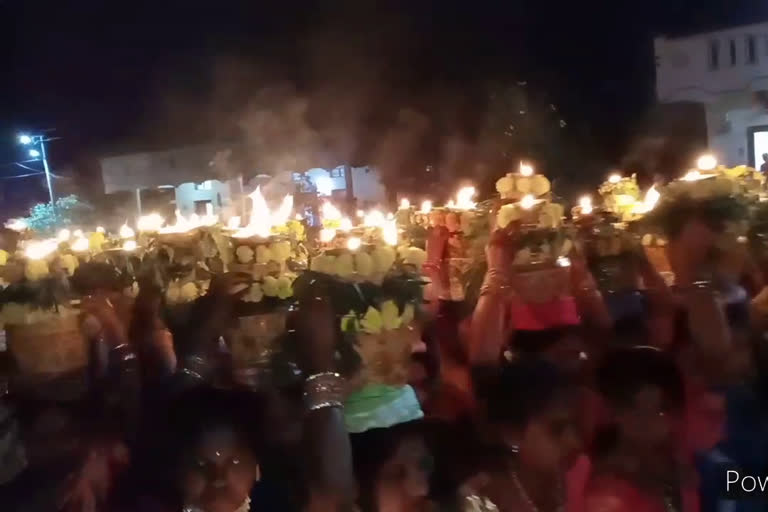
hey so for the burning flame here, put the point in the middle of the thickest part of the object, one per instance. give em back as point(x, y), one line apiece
point(426, 207)
point(17, 225)
point(80, 244)
point(614, 178)
point(326, 235)
point(463, 199)
point(695, 175)
point(78, 233)
point(129, 245)
point(528, 202)
point(360, 213)
point(389, 233)
point(374, 219)
point(262, 219)
point(649, 201)
point(706, 162)
point(100, 230)
point(405, 204)
point(152, 222)
point(329, 212)
point(126, 231)
point(233, 223)
point(354, 243)
point(64, 235)
point(345, 224)
point(40, 249)
point(525, 169)
point(585, 203)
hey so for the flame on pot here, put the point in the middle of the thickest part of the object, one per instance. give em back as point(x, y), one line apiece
point(649, 201)
point(130, 245)
point(389, 232)
point(329, 212)
point(80, 244)
point(64, 235)
point(152, 222)
point(41, 249)
point(426, 207)
point(354, 243)
point(464, 198)
point(326, 235)
point(233, 223)
point(374, 219)
point(345, 224)
point(585, 203)
point(528, 202)
point(405, 204)
point(262, 219)
point(126, 231)
point(526, 169)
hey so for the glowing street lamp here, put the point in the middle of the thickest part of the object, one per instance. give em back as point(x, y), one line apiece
point(39, 152)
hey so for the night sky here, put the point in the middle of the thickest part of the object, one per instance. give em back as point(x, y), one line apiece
point(109, 75)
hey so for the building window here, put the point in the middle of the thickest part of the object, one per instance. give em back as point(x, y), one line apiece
point(732, 51)
point(714, 54)
point(338, 172)
point(203, 207)
point(206, 185)
point(751, 50)
point(298, 177)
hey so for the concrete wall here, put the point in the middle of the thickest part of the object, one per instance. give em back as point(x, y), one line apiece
point(685, 71)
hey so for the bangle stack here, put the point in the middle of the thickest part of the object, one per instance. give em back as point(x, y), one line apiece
point(323, 390)
point(195, 367)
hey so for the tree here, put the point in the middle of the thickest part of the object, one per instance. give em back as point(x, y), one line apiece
point(70, 211)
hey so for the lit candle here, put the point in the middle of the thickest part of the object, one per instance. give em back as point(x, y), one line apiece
point(126, 231)
point(354, 243)
point(525, 169)
point(585, 203)
point(706, 162)
point(528, 202)
point(80, 244)
point(63, 235)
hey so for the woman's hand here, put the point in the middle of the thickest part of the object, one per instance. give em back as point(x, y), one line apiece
point(316, 328)
point(436, 266)
point(690, 250)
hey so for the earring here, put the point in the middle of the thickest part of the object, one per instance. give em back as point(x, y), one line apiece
point(514, 448)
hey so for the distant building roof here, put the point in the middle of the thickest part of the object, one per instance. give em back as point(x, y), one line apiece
point(152, 169)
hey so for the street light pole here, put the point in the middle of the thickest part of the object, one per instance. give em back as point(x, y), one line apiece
point(47, 176)
point(40, 139)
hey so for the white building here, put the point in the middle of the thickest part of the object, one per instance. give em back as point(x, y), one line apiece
point(190, 173)
point(727, 72)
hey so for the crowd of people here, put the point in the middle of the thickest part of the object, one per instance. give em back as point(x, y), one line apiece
point(634, 401)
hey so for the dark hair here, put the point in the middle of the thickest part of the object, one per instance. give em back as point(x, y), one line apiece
point(527, 342)
point(524, 389)
point(625, 372)
point(202, 410)
point(370, 451)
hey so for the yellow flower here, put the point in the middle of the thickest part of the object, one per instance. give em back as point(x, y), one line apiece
point(281, 251)
point(390, 315)
point(409, 313)
point(323, 263)
point(263, 254)
point(244, 254)
point(344, 266)
point(349, 322)
point(36, 269)
point(507, 213)
point(372, 322)
point(284, 287)
point(383, 258)
point(189, 292)
point(505, 185)
point(69, 263)
point(3, 257)
point(173, 293)
point(255, 294)
point(415, 256)
point(270, 287)
point(364, 264)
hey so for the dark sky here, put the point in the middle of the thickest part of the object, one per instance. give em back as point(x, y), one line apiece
point(110, 74)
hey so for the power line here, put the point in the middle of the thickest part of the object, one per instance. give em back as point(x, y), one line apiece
point(21, 176)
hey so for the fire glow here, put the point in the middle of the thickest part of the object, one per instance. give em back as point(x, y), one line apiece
point(262, 219)
point(463, 199)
